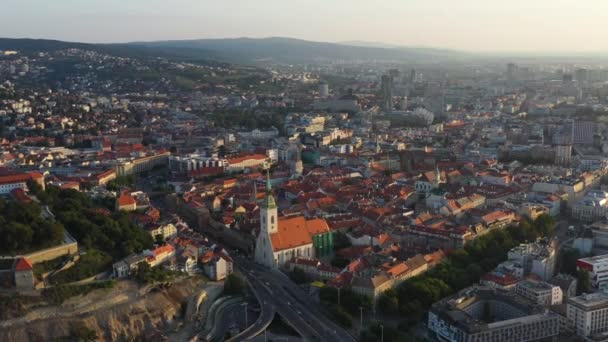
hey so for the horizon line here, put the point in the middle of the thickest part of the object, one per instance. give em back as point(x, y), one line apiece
point(390, 46)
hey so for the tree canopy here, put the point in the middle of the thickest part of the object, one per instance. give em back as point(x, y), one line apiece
point(23, 228)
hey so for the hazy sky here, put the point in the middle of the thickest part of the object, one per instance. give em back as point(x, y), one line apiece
point(478, 25)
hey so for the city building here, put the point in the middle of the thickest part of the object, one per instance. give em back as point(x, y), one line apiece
point(142, 164)
point(386, 87)
point(486, 314)
point(165, 230)
point(540, 292)
point(597, 266)
point(538, 258)
point(217, 265)
point(24, 275)
point(588, 314)
point(14, 181)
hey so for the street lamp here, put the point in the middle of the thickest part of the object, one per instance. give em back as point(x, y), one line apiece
point(338, 296)
point(381, 333)
point(246, 320)
point(361, 311)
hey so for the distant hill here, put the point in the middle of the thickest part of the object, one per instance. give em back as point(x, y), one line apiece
point(288, 50)
point(29, 46)
point(369, 44)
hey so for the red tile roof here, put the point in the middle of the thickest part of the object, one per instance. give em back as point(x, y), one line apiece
point(291, 233)
point(125, 199)
point(23, 265)
point(239, 159)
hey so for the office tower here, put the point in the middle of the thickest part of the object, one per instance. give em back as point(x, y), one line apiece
point(323, 89)
point(511, 72)
point(387, 93)
point(582, 75)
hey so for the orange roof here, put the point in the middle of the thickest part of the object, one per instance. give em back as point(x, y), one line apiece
point(316, 226)
point(23, 265)
point(239, 159)
point(163, 249)
point(105, 174)
point(398, 269)
point(19, 177)
point(291, 233)
point(126, 200)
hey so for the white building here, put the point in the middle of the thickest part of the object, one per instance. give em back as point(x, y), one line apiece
point(218, 266)
point(166, 231)
point(258, 134)
point(592, 207)
point(597, 267)
point(540, 292)
point(538, 258)
point(588, 314)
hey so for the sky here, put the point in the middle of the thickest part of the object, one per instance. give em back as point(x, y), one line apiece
point(470, 25)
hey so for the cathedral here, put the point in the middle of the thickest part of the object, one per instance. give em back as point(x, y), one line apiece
point(280, 240)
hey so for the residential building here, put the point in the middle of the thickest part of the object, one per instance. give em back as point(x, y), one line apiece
point(588, 314)
point(463, 317)
point(165, 230)
point(540, 292)
point(217, 266)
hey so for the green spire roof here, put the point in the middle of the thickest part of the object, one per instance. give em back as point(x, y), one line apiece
point(269, 202)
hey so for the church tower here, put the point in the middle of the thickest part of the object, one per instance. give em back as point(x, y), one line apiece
point(269, 224)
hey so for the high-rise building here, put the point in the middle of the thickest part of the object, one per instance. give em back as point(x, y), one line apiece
point(582, 75)
point(511, 72)
point(387, 93)
point(404, 103)
point(323, 89)
point(413, 76)
point(563, 149)
point(395, 75)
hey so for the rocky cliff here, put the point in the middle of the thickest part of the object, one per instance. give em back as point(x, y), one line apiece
point(125, 313)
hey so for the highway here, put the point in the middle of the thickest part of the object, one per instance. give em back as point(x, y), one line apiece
point(267, 312)
point(292, 304)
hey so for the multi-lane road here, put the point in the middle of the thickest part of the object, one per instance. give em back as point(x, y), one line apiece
point(277, 293)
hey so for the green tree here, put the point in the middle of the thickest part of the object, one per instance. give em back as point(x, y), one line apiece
point(568, 258)
point(388, 303)
point(341, 241)
point(340, 316)
point(339, 262)
point(234, 285)
point(584, 284)
point(298, 276)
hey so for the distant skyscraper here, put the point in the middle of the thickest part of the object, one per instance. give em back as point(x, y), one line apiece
point(413, 76)
point(395, 75)
point(563, 149)
point(567, 78)
point(323, 89)
point(387, 93)
point(582, 133)
point(511, 71)
point(404, 103)
point(582, 75)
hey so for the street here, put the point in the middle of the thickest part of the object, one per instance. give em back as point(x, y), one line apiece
point(294, 306)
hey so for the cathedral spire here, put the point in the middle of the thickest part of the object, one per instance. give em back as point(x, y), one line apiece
point(269, 202)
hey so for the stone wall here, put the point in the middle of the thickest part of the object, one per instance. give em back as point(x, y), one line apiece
point(52, 253)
